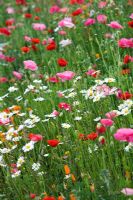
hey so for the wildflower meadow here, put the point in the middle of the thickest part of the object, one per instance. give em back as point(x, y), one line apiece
point(66, 88)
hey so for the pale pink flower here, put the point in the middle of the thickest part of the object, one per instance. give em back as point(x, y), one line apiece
point(102, 18)
point(66, 42)
point(62, 32)
point(126, 43)
point(64, 10)
point(31, 65)
point(55, 113)
point(54, 9)
point(111, 114)
point(102, 4)
point(17, 75)
point(115, 25)
point(4, 121)
point(127, 191)
point(66, 22)
point(106, 122)
point(89, 21)
point(27, 38)
point(108, 35)
point(67, 75)
point(38, 26)
point(131, 16)
point(2, 56)
point(124, 134)
point(10, 10)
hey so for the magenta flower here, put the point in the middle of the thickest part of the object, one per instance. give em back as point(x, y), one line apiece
point(3, 79)
point(124, 134)
point(115, 25)
point(54, 9)
point(89, 21)
point(102, 19)
point(65, 76)
point(126, 43)
point(31, 65)
point(127, 191)
point(38, 26)
point(106, 122)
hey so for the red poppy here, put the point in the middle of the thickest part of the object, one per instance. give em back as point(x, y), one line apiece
point(77, 12)
point(53, 143)
point(32, 196)
point(82, 136)
point(125, 96)
point(34, 47)
point(53, 79)
point(35, 40)
point(64, 106)
point(35, 137)
point(100, 129)
point(126, 71)
point(25, 49)
point(130, 24)
point(50, 31)
point(76, 1)
point(5, 31)
point(9, 22)
point(37, 9)
point(92, 136)
point(21, 2)
point(49, 198)
point(62, 62)
point(51, 46)
point(10, 59)
point(37, 18)
point(28, 15)
point(127, 59)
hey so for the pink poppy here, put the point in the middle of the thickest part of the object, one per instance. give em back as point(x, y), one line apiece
point(124, 134)
point(3, 79)
point(62, 32)
point(66, 22)
point(39, 26)
point(2, 56)
point(131, 16)
point(102, 4)
point(102, 19)
point(54, 9)
point(55, 113)
point(17, 75)
point(111, 114)
point(65, 76)
point(126, 43)
point(89, 21)
point(4, 121)
point(10, 10)
point(115, 25)
point(106, 122)
point(27, 38)
point(127, 191)
point(64, 10)
point(31, 65)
